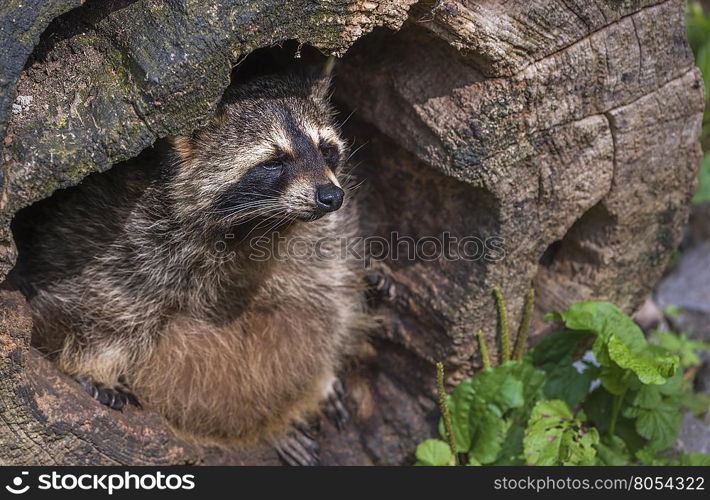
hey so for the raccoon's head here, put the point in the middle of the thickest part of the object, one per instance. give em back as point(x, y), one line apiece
point(271, 153)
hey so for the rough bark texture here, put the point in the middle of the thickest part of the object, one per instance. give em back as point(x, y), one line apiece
point(567, 128)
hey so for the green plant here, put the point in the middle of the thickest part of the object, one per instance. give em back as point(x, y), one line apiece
point(595, 392)
point(703, 193)
point(698, 30)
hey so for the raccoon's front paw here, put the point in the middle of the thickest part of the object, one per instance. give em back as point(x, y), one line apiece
point(298, 447)
point(380, 286)
point(114, 397)
point(334, 405)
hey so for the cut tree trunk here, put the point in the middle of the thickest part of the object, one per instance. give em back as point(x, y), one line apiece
point(568, 129)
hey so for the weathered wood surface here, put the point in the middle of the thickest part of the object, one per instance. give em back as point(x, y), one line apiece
point(567, 128)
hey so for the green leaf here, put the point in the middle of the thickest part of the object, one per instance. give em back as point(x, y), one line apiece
point(613, 379)
point(558, 347)
point(681, 345)
point(477, 404)
point(696, 403)
point(488, 439)
point(649, 396)
point(511, 452)
point(613, 451)
point(500, 387)
point(695, 459)
point(626, 430)
point(555, 437)
point(619, 341)
point(498, 390)
point(598, 408)
point(675, 385)
point(555, 354)
point(660, 425)
point(460, 402)
point(703, 193)
point(648, 456)
point(703, 61)
point(566, 383)
point(552, 316)
point(533, 382)
point(484, 407)
point(604, 319)
point(649, 370)
point(434, 452)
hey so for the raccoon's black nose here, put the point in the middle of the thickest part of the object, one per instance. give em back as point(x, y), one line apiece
point(329, 197)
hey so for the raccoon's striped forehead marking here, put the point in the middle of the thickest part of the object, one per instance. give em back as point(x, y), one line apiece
point(258, 153)
point(282, 140)
point(312, 132)
point(329, 134)
point(294, 136)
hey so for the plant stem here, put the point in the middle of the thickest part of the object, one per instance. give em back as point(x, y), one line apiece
point(617, 405)
point(484, 349)
point(503, 321)
point(524, 325)
point(445, 413)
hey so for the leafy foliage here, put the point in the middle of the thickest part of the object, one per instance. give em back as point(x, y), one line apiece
point(594, 392)
point(434, 452)
point(680, 345)
point(703, 193)
point(484, 408)
point(554, 436)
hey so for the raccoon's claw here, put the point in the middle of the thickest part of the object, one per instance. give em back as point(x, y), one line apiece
point(334, 406)
point(115, 398)
point(298, 448)
point(380, 286)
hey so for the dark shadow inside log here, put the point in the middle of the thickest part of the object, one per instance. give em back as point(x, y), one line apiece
point(572, 261)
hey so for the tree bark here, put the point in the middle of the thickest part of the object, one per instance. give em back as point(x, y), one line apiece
point(567, 128)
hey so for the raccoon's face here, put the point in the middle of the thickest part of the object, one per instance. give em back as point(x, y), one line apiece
point(272, 153)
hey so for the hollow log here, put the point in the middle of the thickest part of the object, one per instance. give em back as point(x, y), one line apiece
point(564, 133)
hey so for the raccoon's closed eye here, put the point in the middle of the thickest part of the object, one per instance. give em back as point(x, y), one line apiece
point(331, 153)
point(272, 166)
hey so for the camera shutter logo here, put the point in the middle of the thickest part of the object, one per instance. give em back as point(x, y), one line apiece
point(16, 488)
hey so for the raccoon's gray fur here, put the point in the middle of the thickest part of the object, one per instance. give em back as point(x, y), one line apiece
point(147, 274)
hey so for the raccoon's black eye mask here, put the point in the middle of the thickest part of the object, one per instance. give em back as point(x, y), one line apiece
point(331, 154)
point(261, 182)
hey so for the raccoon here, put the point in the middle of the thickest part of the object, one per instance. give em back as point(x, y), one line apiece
point(146, 284)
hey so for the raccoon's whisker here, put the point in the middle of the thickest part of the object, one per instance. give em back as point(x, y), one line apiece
point(241, 205)
point(356, 150)
point(246, 210)
point(245, 205)
point(268, 213)
point(253, 216)
point(356, 186)
point(260, 225)
point(278, 219)
point(347, 118)
point(240, 213)
point(348, 168)
point(264, 208)
point(246, 217)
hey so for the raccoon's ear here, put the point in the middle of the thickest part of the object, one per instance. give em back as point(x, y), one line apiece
point(183, 146)
point(320, 87)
